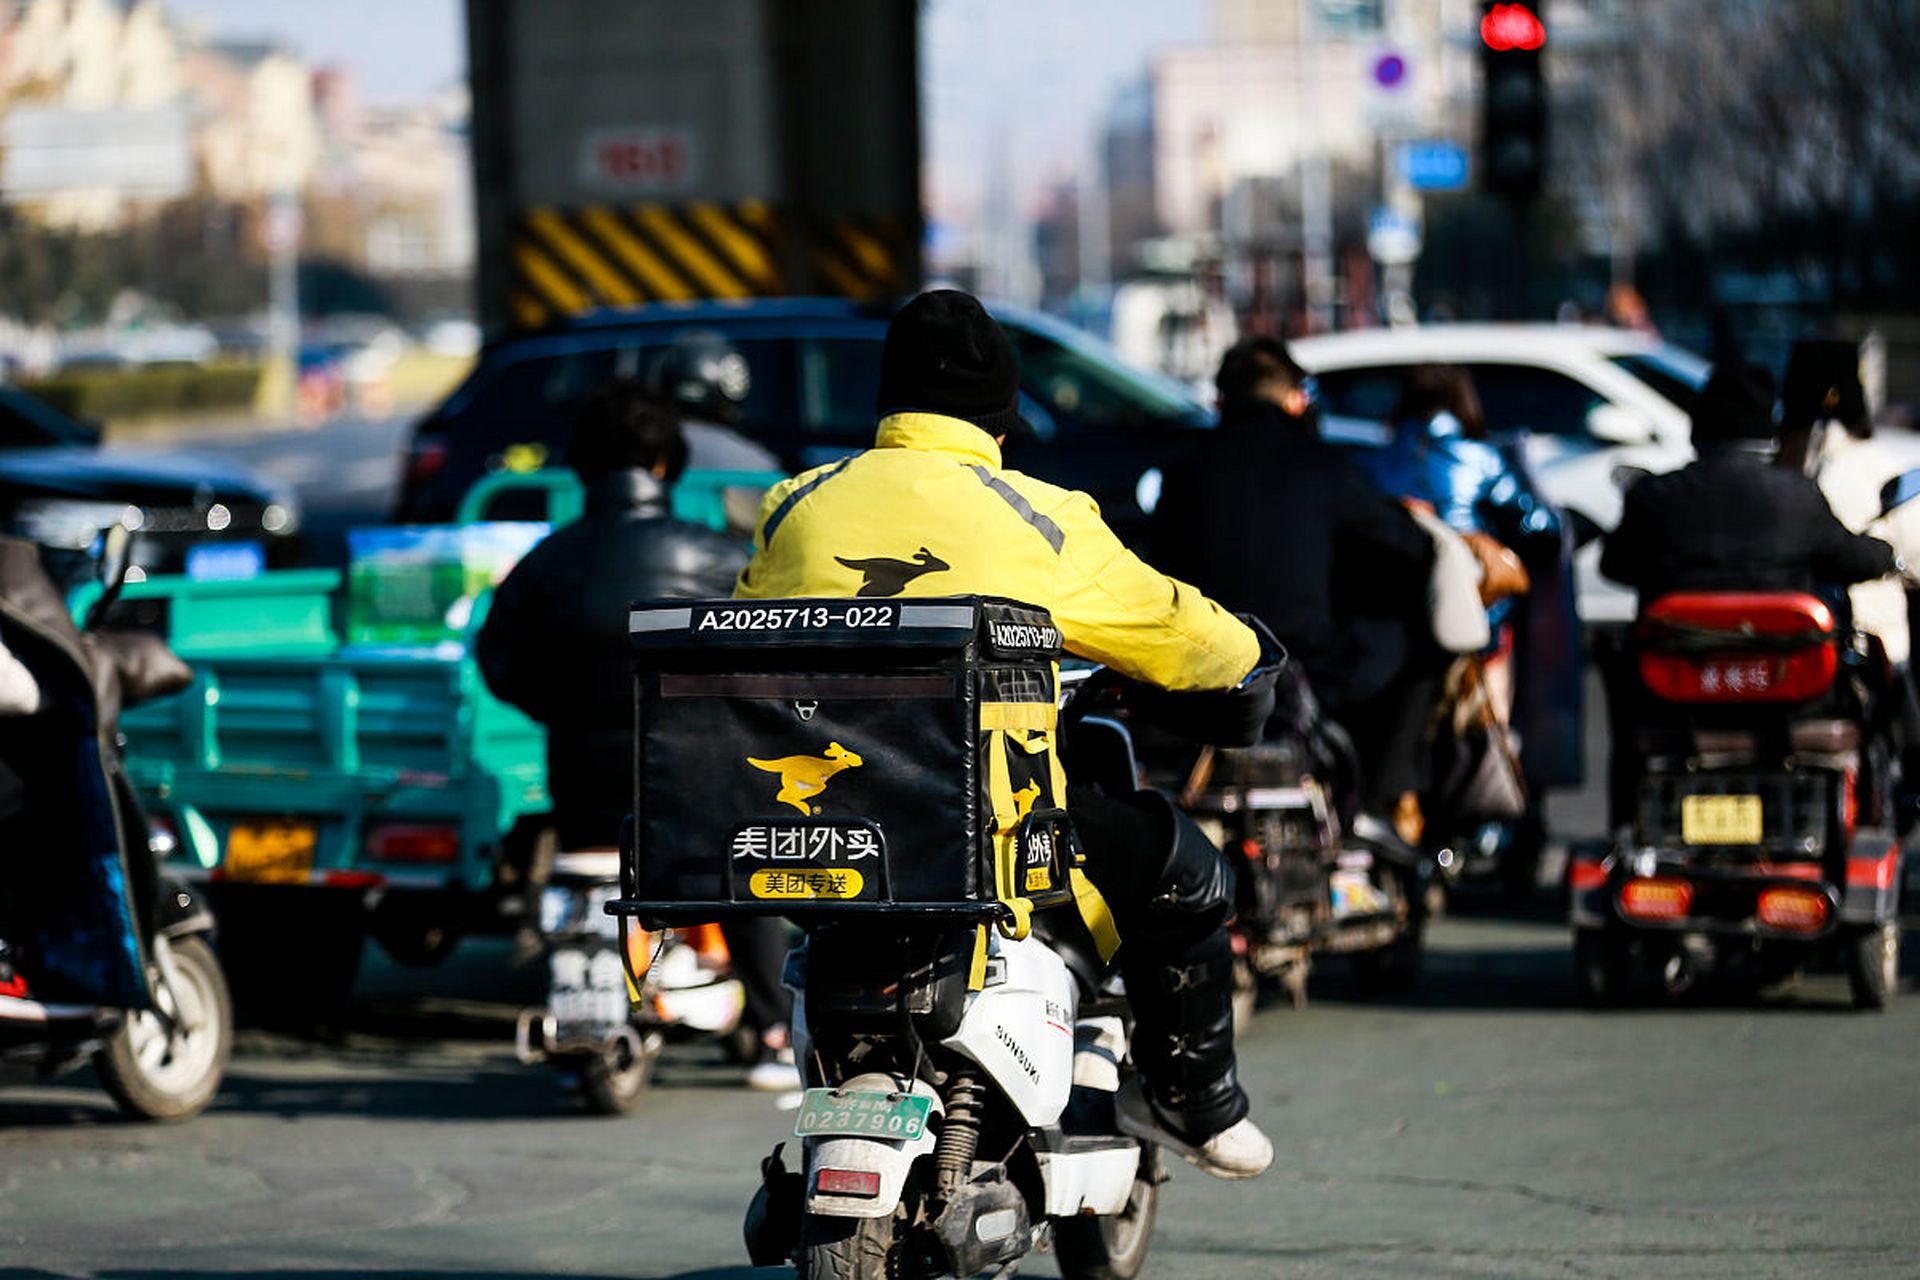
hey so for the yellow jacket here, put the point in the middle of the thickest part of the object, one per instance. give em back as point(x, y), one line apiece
point(928, 511)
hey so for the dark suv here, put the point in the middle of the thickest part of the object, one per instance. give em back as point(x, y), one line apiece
point(816, 364)
point(59, 489)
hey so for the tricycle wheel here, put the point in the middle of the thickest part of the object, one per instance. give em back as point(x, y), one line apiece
point(613, 1080)
point(291, 964)
point(167, 1065)
point(1110, 1248)
point(1873, 964)
point(1601, 966)
point(415, 938)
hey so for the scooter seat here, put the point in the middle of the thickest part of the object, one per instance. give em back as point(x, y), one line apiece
point(1063, 931)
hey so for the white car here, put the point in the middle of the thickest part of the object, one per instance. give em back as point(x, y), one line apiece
point(1593, 400)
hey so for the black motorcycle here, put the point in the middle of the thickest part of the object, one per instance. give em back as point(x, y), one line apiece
point(101, 957)
point(1314, 877)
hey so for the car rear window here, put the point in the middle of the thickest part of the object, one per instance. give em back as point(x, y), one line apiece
point(1676, 376)
point(535, 399)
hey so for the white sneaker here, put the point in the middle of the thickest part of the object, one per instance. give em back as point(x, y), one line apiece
point(1238, 1151)
point(775, 1073)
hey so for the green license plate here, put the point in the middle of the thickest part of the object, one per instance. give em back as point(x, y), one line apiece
point(867, 1112)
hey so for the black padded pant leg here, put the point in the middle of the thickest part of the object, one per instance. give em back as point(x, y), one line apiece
point(1170, 892)
point(758, 946)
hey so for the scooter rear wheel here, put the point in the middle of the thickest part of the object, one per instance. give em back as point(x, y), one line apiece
point(154, 1075)
point(850, 1248)
point(1602, 965)
point(1113, 1248)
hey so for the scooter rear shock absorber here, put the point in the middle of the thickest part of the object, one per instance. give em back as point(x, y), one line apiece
point(960, 1135)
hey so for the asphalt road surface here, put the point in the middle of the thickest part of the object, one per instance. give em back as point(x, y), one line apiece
point(1483, 1126)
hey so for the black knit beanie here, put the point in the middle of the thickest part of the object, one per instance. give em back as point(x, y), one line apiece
point(944, 354)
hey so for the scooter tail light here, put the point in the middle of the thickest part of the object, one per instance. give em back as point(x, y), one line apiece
point(1656, 898)
point(1799, 910)
point(857, 1183)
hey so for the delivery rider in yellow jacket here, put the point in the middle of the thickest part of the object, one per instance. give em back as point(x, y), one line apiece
point(929, 511)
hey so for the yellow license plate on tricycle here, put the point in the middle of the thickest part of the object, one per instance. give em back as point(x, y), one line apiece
point(270, 852)
point(1721, 819)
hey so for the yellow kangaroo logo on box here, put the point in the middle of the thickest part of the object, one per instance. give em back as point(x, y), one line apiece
point(803, 777)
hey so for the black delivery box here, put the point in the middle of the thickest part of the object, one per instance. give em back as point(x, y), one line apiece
point(809, 756)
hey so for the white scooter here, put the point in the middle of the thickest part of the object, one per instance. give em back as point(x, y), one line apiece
point(951, 1131)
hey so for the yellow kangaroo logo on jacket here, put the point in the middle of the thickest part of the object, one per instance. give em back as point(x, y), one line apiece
point(803, 777)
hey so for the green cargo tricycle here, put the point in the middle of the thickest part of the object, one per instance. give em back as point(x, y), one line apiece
point(338, 769)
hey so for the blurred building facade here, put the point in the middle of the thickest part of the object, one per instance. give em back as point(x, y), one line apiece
point(100, 87)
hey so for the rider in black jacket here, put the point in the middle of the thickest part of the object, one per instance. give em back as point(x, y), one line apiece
point(1269, 519)
point(1731, 521)
point(555, 643)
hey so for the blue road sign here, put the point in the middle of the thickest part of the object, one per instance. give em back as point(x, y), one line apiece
point(1432, 165)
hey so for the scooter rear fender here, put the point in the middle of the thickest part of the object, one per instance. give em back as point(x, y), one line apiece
point(892, 1159)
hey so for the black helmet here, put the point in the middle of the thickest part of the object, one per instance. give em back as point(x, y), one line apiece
point(702, 373)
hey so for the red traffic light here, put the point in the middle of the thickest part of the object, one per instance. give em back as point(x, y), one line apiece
point(1507, 27)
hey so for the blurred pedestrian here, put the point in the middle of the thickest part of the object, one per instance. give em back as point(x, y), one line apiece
point(555, 645)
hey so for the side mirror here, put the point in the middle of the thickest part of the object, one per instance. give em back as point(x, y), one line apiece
point(1899, 491)
point(1615, 425)
point(116, 556)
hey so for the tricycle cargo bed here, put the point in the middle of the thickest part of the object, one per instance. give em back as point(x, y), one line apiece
point(331, 765)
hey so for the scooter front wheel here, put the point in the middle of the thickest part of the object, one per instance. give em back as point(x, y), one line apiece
point(613, 1081)
point(1114, 1247)
point(167, 1064)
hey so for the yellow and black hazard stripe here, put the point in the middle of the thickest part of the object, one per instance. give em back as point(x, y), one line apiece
point(566, 261)
point(866, 259)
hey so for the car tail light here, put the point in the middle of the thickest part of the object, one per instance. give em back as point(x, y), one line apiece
point(847, 1182)
point(1801, 910)
point(1849, 803)
point(408, 842)
point(425, 458)
point(1656, 898)
point(1251, 850)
